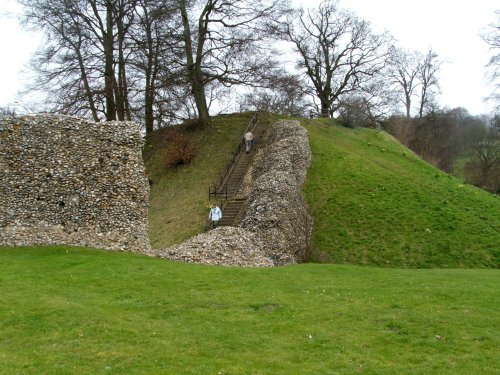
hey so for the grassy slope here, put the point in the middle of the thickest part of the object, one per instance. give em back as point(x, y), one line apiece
point(77, 311)
point(179, 198)
point(376, 203)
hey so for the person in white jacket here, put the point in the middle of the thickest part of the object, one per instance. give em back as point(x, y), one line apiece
point(248, 141)
point(215, 215)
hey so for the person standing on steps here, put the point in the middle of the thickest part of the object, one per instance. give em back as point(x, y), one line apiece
point(248, 141)
point(215, 215)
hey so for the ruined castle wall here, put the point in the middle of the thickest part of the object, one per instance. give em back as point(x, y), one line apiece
point(65, 180)
point(276, 209)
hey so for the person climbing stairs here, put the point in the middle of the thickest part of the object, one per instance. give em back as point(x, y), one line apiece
point(232, 206)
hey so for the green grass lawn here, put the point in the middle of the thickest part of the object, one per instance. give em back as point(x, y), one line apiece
point(80, 311)
point(375, 203)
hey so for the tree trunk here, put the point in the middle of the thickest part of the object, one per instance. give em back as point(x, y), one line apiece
point(325, 108)
point(88, 91)
point(195, 74)
point(122, 102)
point(149, 90)
point(149, 93)
point(408, 105)
point(422, 102)
point(201, 101)
point(109, 78)
point(85, 79)
point(120, 86)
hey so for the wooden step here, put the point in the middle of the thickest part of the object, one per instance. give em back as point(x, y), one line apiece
point(231, 211)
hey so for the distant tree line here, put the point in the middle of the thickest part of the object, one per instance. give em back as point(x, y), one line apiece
point(454, 141)
point(7, 111)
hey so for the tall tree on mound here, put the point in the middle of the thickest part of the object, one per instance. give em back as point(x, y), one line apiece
point(156, 55)
point(224, 44)
point(337, 51)
point(427, 74)
point(402, 74)
point(108, 59)
point(83, 60)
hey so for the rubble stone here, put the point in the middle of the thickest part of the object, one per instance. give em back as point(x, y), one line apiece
point(228, 246)
point(276, 210)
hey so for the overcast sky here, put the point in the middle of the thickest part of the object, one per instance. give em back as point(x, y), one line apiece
point(450, 27)
point(16, 46)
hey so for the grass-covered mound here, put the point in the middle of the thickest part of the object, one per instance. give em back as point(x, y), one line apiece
point(375, 203)
point(79, 311)
point(179, 195)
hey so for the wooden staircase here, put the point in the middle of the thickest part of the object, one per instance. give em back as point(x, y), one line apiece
point(232, 206)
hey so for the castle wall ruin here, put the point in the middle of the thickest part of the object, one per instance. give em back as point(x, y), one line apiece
point(69, 181)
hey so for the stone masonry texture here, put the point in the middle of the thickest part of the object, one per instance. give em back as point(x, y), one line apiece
point(69, 181)
point(276, 210)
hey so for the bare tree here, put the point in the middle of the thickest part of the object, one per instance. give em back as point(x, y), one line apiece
point(65, 41)
point(7, 111)
point(432, 138)
point(483, 169)
point(402, 72)
point(370, 106)
point(337, 51)
point(111, 59)
point(156, 55)
point(223, 42)
point(82, 61)
point(427, 75)
point(105, 24)
point(286, 96)
point(414, 74)
point(492, 37)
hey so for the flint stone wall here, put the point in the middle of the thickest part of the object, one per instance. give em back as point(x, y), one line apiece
point(276, 226)
point(70, 181)
point(276, 210)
